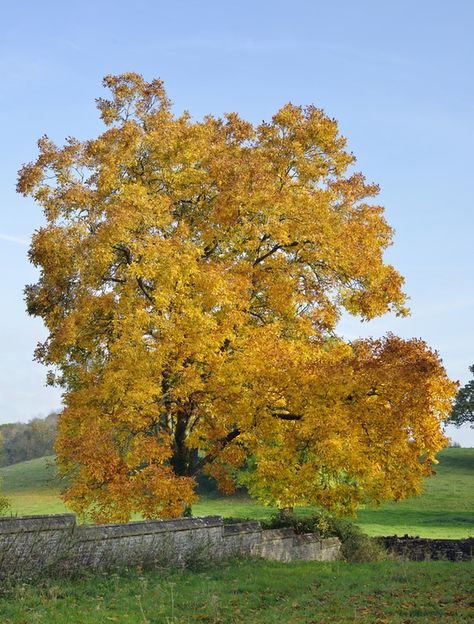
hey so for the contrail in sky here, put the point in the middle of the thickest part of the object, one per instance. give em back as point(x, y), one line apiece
point(14, 239)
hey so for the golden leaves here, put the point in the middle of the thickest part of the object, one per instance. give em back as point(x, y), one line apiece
point(192, 277)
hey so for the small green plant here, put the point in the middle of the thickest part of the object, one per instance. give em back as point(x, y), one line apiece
point(4, 503)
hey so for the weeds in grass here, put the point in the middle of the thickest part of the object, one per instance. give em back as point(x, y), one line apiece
point(142, 612)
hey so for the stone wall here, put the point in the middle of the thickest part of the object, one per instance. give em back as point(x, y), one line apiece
point(55, 544)
point(421, 549)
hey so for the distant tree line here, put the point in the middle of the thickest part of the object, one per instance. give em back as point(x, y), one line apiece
point(22, 441)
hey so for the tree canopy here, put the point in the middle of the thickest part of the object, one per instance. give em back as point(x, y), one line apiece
point(192, 275)
point(463, 408)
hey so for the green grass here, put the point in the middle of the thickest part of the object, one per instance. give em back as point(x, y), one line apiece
point(254, 592)
point(445, 509)
point(32, 487)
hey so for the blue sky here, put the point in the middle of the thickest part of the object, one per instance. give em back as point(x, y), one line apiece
point(398, 76)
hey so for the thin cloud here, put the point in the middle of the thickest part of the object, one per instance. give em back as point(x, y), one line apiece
point(239, 44)
point(14, 239)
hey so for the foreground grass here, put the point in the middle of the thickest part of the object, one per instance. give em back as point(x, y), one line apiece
point(254, 592)
point(445, 509)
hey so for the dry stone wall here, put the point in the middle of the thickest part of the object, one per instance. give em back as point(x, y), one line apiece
point(421, 549)
point(32, 545)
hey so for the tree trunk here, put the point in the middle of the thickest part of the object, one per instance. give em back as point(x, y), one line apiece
point(285, 513)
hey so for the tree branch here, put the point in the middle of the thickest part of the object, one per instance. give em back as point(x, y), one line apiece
point(276, 248)
point(213, 454)
point(145, 289)
point(209, 250)
point(110, 278)
point(287, 416)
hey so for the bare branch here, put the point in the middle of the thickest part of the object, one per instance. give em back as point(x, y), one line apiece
point(215, 452)
point(145, 289)
point(287, 416)
point(274, 249)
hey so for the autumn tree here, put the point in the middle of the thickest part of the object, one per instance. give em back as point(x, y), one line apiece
point(463, 408)
point(192, 275)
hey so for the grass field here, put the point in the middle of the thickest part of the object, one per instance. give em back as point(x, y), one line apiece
point(446, 508)
point(256, 593)
point(260, 592)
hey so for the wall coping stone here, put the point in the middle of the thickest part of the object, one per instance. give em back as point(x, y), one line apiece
point(305, 538)
point(277, 534)
point(242, 527)
point(29, 524)
point(94, 532)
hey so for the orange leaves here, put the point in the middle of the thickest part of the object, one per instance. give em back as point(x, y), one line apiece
point(192, 277)
point(116, 471)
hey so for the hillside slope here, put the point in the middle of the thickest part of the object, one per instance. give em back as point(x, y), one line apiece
point(445, 509)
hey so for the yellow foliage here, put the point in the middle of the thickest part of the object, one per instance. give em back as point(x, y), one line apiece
point(192, 277)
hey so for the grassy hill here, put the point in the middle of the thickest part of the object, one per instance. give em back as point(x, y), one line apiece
point(32, 487)
point(445, 509)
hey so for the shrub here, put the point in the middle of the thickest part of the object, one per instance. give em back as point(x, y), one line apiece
point(356, 545)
